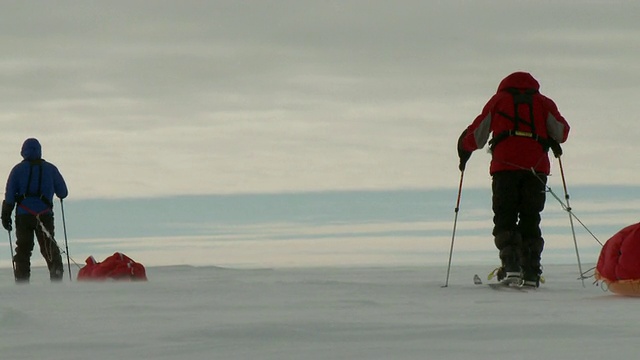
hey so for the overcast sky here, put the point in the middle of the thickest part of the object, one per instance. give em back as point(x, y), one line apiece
point(153, 98)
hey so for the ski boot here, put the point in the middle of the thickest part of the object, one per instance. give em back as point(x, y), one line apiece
point(532, 277)
point(509, 243)
point(507, 274)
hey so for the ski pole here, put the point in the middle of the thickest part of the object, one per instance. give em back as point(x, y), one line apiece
point(564, 207)
point(13, 261)
point(568, 209)
point(66, 243)
point(455, 222)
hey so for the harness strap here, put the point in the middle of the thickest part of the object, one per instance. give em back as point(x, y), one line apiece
point(38, 194)
point(545, 143)
point(20, 198)
point(520, 97)
point(36, 214)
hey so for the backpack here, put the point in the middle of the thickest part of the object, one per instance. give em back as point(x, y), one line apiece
point(522, 97)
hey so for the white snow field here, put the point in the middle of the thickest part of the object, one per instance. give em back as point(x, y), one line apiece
point(185, 312)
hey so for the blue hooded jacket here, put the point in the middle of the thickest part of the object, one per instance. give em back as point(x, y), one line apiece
point(33, 180)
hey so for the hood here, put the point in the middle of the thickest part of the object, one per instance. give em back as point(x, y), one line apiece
point(519, 80)
point(31, 150)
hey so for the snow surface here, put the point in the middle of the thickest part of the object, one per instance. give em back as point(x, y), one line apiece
point(185, 312)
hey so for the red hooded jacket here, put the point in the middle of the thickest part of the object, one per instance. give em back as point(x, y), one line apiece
point(517, 152)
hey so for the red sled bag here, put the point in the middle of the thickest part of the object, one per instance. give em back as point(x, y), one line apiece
point(116, 267)
point(619, 265)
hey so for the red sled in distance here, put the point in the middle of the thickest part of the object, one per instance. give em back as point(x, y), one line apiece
point(115, 267)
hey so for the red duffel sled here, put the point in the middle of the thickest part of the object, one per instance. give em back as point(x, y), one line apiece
point(619, 262)
point(116, 267)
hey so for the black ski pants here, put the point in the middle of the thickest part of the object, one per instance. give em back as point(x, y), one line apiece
point(27, 227)
point(518, 199)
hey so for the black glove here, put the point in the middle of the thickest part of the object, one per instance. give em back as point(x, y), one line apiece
point(7, 209)
point(555, 147)
point(463, 154)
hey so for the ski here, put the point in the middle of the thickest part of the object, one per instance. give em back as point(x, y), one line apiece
point(507, 285)
point(477, 280)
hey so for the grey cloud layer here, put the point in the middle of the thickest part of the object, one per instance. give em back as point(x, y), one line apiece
point(230, 96)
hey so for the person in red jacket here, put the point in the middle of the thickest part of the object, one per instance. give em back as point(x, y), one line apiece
point(523, 125)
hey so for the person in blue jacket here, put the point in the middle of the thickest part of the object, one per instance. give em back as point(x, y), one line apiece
point(31, 186)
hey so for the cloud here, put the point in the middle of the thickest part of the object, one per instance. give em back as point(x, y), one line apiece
point(132, 100)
